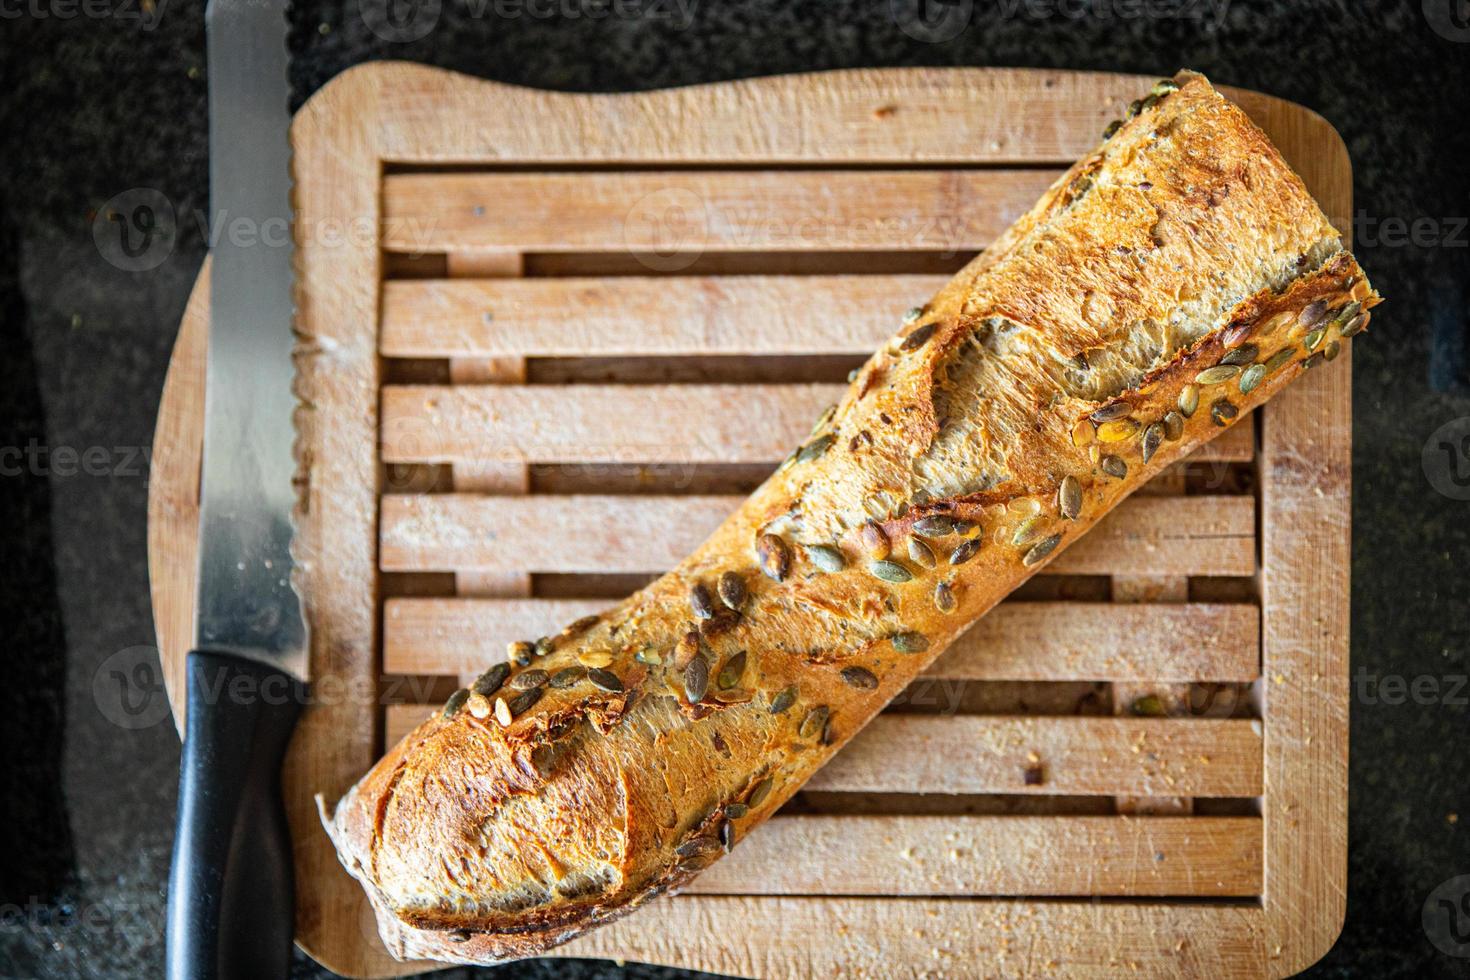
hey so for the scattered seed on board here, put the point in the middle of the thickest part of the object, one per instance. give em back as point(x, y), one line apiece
point(605, 679)
point(594, 658)
point(1153, 436)
point(567, 677)
point(455, 702)
point(1112, 412)
point(1242, 355)
point(489, 682)
point(730, 673)
point(921, 553)
point(919, 337)
point(520, 652)
point(696, 679)
point(1114, 466)
point(760, 791)
point(965, 551)
point(815, 448)
point(1188, 400)
point(813, 723)
point(1251, 377)
point(528, 679)
point(910, 641)
point(860, 678)
point(732, 590)
point(774, 556)
point(784, 699)
point(934, 526)
point(1173, 426)
point(1222, 412)
point(1312, 314)
point(502, 713)
point(1069, 497)
point(1041, 549)
point(522, 702)
point(874, 540)
point(1219, 374)
point(825, 557)
point(944, 598)
point(700, 601)
point(891, 571)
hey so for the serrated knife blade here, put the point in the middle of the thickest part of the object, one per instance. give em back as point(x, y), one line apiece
point(230, 903)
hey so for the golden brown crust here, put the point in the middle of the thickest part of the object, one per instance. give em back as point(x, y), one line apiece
point(1161, 289)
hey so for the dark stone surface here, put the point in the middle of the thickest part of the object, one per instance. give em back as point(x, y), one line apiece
point(96, 105)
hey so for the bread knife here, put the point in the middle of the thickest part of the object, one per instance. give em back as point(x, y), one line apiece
point(230, 899)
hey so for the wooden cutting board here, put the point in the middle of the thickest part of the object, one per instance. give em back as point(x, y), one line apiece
point(558, 336)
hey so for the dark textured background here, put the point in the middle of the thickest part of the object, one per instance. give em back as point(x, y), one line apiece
point(93, 106)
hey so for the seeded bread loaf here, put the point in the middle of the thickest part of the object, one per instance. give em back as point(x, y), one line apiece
point(1167, 284)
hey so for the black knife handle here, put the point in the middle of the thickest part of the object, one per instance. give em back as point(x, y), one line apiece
point(231, 905)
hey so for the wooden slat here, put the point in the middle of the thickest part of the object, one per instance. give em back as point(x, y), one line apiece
point(600, 423)
point(661, 213)
point(1016, 641)
point(448, 532)
point(683, 423)
point(992, 856)
point(797, 938)
point(641, 316)
point(1079, 756)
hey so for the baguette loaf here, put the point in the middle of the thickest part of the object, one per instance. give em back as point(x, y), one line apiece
point(1167, 284)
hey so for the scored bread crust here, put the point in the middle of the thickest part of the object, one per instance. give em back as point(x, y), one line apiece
point(1052, 376)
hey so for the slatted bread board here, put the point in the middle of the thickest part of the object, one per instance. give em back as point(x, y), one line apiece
point(559, 336)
